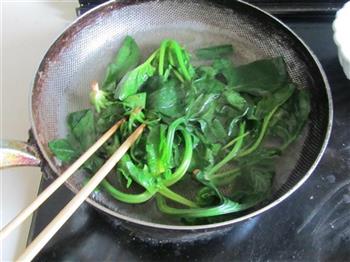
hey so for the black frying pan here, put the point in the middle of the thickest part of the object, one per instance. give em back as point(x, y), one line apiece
point(83, 51)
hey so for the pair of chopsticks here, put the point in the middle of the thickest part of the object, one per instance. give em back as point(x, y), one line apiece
point(41, 240)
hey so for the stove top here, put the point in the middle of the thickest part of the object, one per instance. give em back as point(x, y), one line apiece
point(278, 7)
point(311, 225)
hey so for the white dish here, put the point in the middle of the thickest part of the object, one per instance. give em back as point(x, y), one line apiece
point(341, 29)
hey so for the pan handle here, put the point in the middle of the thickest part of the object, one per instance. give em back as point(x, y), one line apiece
point(17, 153)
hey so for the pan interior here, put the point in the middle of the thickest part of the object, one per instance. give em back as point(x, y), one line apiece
point(83, 52)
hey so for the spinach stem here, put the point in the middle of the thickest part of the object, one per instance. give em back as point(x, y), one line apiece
point(178, 75)
point(227, 206)
point(150, 59)
point(127, 198)
point(186, 161)
point(167, 150)
point(180, 60)
point(235, 140)
point(230, 155)
point(225, 177)
point(171, 59)
point(261, 134)
point(162, 50)
point(172, 63)
point(176, 197)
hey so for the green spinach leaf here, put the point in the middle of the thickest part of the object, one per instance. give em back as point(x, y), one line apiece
point(214, 52)
point(126, 59)
point(260, 78)
point(63, 150)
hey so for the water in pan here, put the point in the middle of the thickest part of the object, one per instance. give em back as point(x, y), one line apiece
point(84, 53)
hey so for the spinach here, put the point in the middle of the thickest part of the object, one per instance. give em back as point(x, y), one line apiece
point(260, 78)
point(209, 126)
point(82, 126)
point(214, 52)
point(126, 59)
point(291, 118)
point(135, 101)
point(133, 80)
point(63, 150)
point(235, 100)
point(167, 99)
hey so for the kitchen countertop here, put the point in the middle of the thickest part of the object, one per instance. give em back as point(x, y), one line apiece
point(28, 28)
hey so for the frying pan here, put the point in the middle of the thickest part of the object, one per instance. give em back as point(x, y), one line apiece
point(82, 53)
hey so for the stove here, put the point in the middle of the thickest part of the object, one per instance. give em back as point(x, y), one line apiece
point(311, 225)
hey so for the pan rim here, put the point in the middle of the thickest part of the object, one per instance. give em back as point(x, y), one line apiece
point(205, 226)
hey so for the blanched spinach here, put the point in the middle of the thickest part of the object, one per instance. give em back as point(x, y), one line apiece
point(63, 150)
point(208, 125)
point(126, 59)
point(214, 52)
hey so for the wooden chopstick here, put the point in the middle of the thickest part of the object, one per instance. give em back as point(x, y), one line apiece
point(45, 235)
point(58, 182)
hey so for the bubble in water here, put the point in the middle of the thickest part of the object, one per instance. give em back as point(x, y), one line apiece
point(346, 198)
point(177, 252)
point(331, 179)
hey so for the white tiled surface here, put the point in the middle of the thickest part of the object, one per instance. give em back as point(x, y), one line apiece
point(28, 29)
